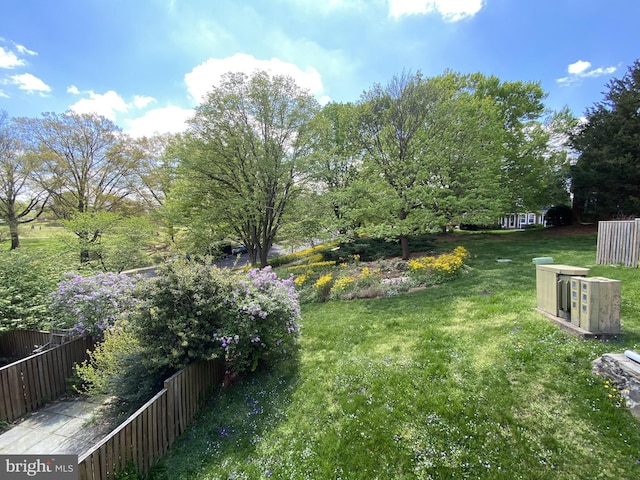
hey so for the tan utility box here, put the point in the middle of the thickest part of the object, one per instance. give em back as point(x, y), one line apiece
point(599, 305)
point(553, 288)
point(575, 300)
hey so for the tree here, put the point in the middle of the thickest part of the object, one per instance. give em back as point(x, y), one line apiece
point(606, 178)
point(336, 161)
point(535, 157)
point(242, 157)
point(155, 174)
point(84, 166)
point(21, 201)
point(438, 146)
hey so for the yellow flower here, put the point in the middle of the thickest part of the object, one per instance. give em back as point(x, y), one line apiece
point(342, 284)
point(323, 280)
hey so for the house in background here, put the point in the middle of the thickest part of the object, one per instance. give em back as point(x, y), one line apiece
point(518, 221)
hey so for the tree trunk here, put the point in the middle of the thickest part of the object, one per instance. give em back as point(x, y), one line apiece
point(404, 239)
point(404, 243)
point(13, 231)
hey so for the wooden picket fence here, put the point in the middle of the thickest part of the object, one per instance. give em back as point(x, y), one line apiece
point(149, 433)
point(29, 383)
point(619, 243)
point(21, 343)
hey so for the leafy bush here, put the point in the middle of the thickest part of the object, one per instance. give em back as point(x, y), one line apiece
point(92, 304)
point(560, 215)
point(436, 269)
point(188, 304)
point(264, 327)
point(25, 284)
point(190, 311)
point(119, 367)
point(370, 249)
point(197, 312)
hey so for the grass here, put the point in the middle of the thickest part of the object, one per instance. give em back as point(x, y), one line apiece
point(461, 380)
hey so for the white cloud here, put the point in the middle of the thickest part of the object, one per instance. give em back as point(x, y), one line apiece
point(108, 104)
point(140, 101)
point(30, 83)
point(578, 67)
point(326, 7)
point(24, 50)
point(8, 59)
point(3, 95)
point(159, 120)
point(582, 69)
point(450, 10)
point(208, 74)
point(105, 104)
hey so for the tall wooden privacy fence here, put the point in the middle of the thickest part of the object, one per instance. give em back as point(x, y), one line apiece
point(32, 381)
point(21, 343)
point(149, 433)
point(619, 243)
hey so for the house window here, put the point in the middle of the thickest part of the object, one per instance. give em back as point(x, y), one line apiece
point(532, 218)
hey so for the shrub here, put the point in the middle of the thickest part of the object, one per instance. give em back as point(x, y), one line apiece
point(198, 312)
point(559, 215)
point(188, 304)
point(25, 284)
point(322, 287)
point(92, 304)
point(432, 269)
point(370, 249)
point(265, 320)
point(120, 368)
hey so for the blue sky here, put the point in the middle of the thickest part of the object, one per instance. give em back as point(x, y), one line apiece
point(146, 63)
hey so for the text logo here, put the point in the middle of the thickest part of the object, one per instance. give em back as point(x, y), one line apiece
point(45, 467)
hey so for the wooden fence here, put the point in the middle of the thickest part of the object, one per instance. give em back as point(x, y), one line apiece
point(149, 433)
point(32, 381)
point(619, 243)
point(21, 343)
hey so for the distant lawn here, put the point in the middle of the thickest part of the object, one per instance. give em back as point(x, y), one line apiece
point(463, 380)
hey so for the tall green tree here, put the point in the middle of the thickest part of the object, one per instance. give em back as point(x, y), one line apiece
point(21, 199)
point(337, 161)
point(606, 178)
point(438, 145)
point(155, 175)
point(243, 156)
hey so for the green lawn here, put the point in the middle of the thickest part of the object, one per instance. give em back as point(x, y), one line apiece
point(462, 380)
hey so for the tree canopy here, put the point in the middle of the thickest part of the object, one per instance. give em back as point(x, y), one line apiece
point(21, 200)
point(242, 157)
point(606, 177)
point(84, 166)
point(447, 147)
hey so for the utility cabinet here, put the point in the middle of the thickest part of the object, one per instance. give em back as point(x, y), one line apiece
point(554, 288)
point(599, 301)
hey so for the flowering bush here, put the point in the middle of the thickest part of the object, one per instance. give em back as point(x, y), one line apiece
point(369, 277)
point(322, 287)
point(200, 312)
point(89, 305)
point(437, 269)
point(342, 285)
point(266, 315)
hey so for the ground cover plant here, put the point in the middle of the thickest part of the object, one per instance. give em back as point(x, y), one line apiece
point(460, 380)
